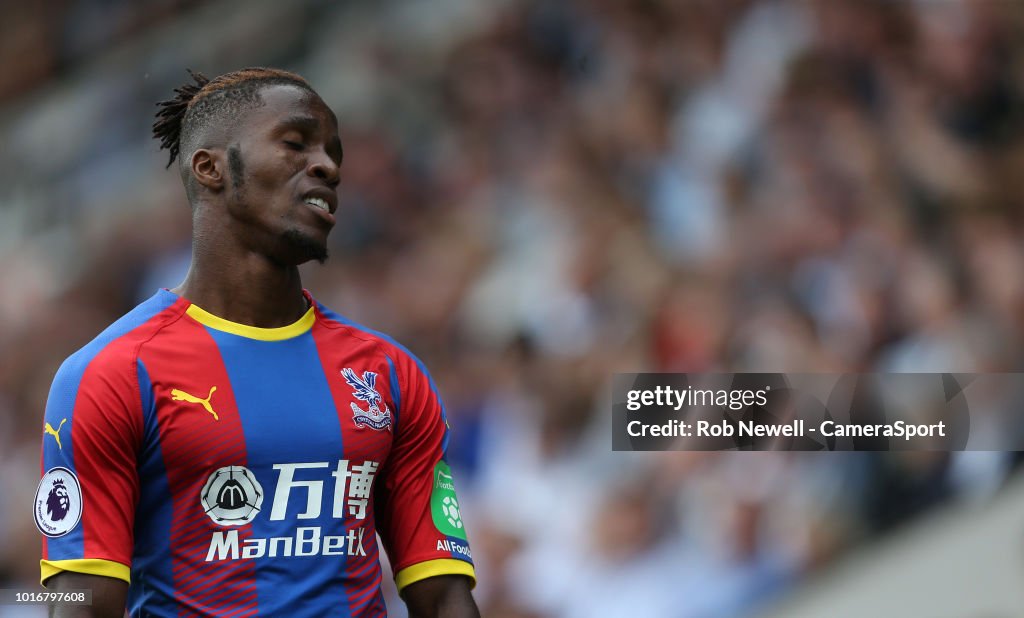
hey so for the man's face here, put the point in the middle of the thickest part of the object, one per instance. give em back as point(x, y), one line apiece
point(283, 175)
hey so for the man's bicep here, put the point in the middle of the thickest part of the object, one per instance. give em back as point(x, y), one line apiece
point(85, 502)
point(418, 513)
point(109, 595)
point(444, 596)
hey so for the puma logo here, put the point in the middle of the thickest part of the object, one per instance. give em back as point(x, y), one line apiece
point(179, 395)
point(48, 429)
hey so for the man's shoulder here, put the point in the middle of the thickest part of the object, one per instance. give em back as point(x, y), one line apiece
point(121, 338)
point(386, 343)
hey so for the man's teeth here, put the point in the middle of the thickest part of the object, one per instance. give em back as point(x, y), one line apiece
point(317, 203)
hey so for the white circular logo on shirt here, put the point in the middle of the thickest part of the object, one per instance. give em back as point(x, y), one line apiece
point(58, 507)
point(232, 496)
point(450, 507)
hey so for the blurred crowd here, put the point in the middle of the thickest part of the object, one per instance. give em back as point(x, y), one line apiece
point(537, 194)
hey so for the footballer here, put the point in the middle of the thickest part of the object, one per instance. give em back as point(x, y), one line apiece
point(232, 447)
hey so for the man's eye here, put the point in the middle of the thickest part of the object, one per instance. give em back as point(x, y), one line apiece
point(293, 145)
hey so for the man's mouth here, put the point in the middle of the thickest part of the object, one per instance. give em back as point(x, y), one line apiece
point(318, 203)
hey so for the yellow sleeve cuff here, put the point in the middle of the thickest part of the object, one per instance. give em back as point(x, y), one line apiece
point(89, 566)
point(433, 568)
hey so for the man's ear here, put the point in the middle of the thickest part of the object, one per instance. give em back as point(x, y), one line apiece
point(208, 168)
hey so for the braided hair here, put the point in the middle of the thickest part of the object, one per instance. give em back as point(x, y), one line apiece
point(183, 120)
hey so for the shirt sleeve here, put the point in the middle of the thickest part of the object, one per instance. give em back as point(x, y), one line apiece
point(85, 502)
point(418, 514)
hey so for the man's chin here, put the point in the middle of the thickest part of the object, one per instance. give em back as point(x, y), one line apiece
point(305, 247)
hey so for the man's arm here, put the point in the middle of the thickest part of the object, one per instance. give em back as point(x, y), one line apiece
point(109, 595)
point(417, 515)
point(443, 596)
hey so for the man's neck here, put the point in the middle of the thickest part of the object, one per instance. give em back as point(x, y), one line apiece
point(252, 290)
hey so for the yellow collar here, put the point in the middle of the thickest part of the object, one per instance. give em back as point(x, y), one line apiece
point(299, 327)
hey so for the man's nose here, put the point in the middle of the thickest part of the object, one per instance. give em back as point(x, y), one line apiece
point(324, 168)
